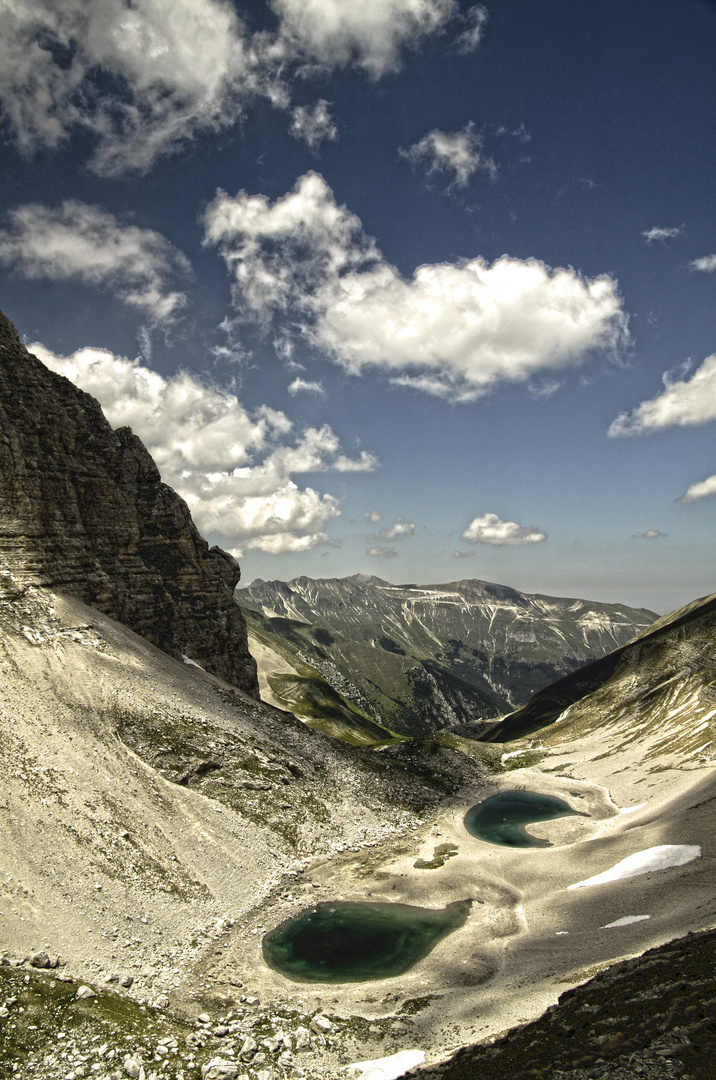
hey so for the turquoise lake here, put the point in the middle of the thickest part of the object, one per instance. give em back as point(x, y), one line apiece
point(501, 819)
point(346, 941)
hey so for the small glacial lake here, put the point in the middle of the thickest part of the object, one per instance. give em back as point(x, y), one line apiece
point(501, 819)
point(345, 941)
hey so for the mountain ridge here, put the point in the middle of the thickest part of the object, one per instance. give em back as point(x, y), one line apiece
point(416, 658)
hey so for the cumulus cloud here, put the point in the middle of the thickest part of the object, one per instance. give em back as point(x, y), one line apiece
point(372, 516)
point(490, 529)
point(462, 554)
point(660, 233)
point(313, 124)
point(651, 534)
point(380, 552)
point(453, 330)
point(458, 154)
point(474, 21)
point(303, 386)
point(87, 244)
point(683, 402)
point(400, 528)
point(707, 264)
point(371, 35)
point(179, 67)
point(233, 466)
point(701, 490)
point(282, 254)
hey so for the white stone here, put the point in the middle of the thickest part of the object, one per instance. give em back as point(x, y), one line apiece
point(219, 1069)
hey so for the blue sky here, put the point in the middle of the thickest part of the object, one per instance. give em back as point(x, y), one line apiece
point(420, 288)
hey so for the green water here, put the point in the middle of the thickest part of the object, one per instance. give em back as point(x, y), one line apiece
point(352, 942)
point(501, 819)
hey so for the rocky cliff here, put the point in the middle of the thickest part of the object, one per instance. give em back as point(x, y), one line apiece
point(83, 508)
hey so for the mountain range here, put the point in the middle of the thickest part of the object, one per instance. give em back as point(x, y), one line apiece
point(361, 658)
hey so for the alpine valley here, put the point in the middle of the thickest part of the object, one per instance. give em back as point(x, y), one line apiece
point(347, 654)
point(180, 779)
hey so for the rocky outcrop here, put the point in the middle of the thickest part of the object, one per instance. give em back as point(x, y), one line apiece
point(83, 509)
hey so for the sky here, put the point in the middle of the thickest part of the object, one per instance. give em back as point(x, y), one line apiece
point(417, 288)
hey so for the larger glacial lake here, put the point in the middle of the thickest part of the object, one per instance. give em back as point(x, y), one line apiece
point(501, 819)
point(346, 941)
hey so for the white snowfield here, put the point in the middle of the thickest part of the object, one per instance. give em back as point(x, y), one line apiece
point(644, 862)
point(626, 921)
point(387, 1068)
point(631, 809)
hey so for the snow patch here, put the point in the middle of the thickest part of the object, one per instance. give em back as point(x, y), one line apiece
point(387, 1068)
point(631, 809)
point(644, 862)
point(518, 753)
point(193, 663)
point(626, 921)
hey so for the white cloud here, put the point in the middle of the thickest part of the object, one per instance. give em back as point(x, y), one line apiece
point(381, 552)
point(545, 388)
point(462, 554)
point(400, 528)
point(683, 402)
point(659, 233)
point(453, 330)
point(371, 34)
point(458, 153)
point(468, 325)
point(179, 67)
point(707, 264)
point(490, 529)
point(471, 36)
point(233, 467)
point(282, 254)
point(299, 386)
point(85, 243)
point(313, 124)
point(701, 490)
point(651, 534)
point(372, 516)
point(644, 862)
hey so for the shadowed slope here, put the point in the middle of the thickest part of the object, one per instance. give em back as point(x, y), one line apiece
point(674, 658)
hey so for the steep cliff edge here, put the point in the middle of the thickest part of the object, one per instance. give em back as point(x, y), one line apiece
point(83, 508)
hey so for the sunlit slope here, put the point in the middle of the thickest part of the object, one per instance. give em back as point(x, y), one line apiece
point(658, 691)
point(418, 658)
point(390, 689)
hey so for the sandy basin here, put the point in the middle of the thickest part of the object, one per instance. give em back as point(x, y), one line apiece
point(528, 937)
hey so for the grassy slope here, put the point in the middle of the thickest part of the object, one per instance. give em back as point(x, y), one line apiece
point(415, 659)
point(669, 663)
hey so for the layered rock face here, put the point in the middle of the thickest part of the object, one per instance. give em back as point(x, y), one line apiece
point(83, 508)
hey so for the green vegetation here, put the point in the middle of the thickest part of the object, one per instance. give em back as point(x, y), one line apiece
point(45, 1015)
point(416, 659)
point(316, 703)
point(441, 854)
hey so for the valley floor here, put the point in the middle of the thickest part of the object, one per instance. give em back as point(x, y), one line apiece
point(133, 863)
